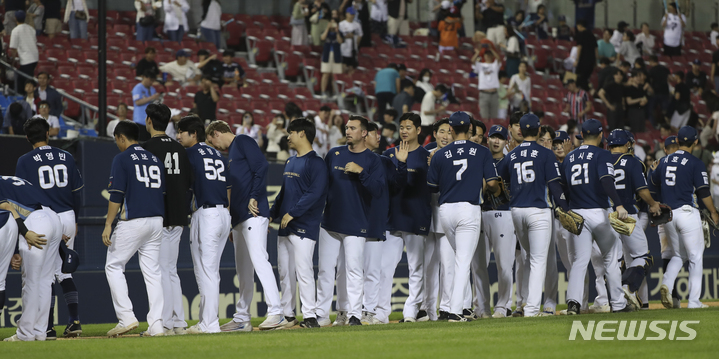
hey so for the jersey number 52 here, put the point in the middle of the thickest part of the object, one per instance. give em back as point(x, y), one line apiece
point(214, 168)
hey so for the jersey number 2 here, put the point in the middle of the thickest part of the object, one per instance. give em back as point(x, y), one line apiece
point(214, 168)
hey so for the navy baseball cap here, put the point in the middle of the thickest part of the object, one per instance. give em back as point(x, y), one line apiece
point(618, 138)
point(697, 62)
point(671, 140)
point(591, 127)
point(20, 15)
point(529, 121)
point(562, 18)
point(181, 53)
point(687, 133)
point(631, 136)
point(459, 118)
point(560, 136)
point(498, 130)
point(351, 10)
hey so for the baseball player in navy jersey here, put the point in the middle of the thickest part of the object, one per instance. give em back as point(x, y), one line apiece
point(41, 233)
point(682, 180)
point(521, 274)
point(54, 171)
point(499, 231)
point(531, 170)
point(454, 171)
point(210, 224)
point(551, 279)
point(356, 177)
point(299, 207)
point(250, 218)
point(629, 182)
point(642, 223)
point(8, 231)
point(177, 185)
point(137, 186)
point(588, 172)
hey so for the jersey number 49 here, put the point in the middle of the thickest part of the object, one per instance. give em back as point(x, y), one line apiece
point(150, 176)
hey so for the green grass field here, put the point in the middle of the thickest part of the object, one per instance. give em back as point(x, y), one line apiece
point(510, 337)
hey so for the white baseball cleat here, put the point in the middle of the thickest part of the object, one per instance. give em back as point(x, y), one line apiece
point(667, 300)
point(324, 322)
point(422, 316)
point(195, 329)
point(408, 320)
point(233, 326)
point(273, 322)
point(342, 319)
point(369, 319)
point(13, 338)
point(178, 331)
point(544, 314)
point(291, 322)
point(484, 315)
point(594, 308)
point(169, 331)
point(120, 330)
point(631, 298)
point(501, 313)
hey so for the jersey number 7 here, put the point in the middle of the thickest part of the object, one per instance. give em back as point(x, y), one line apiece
point(463, 163)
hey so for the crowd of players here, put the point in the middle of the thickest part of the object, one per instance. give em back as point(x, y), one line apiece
point(362, 210)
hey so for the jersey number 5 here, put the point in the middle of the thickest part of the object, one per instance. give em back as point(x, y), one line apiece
point(670, 177)
point(214, 168)
point(150, 177)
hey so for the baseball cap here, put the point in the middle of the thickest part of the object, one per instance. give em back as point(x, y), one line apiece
point(671, 140)
point(529, 121)
point(697, 62)
point(70, 258)
point(20, 15)
point(591, 127)
point(498, 130)
point(618, 138)
point(351, 10)
point(181, 53)
point(687, 133)
point(562, 18)
point(560, 136)
point(459, 118)
point(446, 4)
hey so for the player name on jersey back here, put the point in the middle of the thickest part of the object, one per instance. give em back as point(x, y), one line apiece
point(678, 176)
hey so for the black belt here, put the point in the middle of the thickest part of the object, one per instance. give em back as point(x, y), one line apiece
point(214, 206)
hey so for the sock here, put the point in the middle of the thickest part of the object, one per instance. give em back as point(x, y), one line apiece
point(71, 298)
point(51, 316)
point(2, 300)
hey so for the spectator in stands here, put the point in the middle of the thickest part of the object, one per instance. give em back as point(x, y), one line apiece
point(645, 41)
point(275, 132)
point(612, 94)
point(292, 111)
point(34, 16)
point(15, 117)
point(378, 17)
point(211, 66)
point(146, 18)
point(389, 130)
point(618, 35)
point(402, 71)
point(76, 16)
point(233, 73)
point(320, 16)
point(336, 135)
point(53, 25)
point(249, 128)
point(148, 63)
point(428, 112)
point(182, 70)
point(625, 67)
point(402, 103)
point(175, 117)
point(297, 20)
point(423, 84)
point(206, 99)
point(628, 50)
point(43, 110)
point(606, 72)
point(142, 95)
point(564, 32)
point(11, 6)
point(503, 94)
point(488, 72)
point(673, 24)
point(175, 19)
point(520, 88)
point(390, 115)
point(397, 23)
point(321, 144)
point(577, 102)
point(539, 22)
point(46, 93)
point(211, 22)
point(713, 35)
point(587, 59)
point(512, 51)
point(636, 99)
point(448, 27)
point(362, 7)
point(480, 40)
point(493, 20)
point(30, 97)
point(696, 78)
point(605, 49)
point(331, 55)
point(681, 102)
point(641, 66)
point(659, 80)
point(387, 81)
point(23, 42)
point(715, 70)
point(352, 34)
point(121, 116)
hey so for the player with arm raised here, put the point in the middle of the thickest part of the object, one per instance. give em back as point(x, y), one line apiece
point(250, 219)
point(455, 171)
point(177, 185)
point(210, 224)
point(299, 207)
point(588, 172)
point(683, 181)
point(137, 186)
point(54, 171)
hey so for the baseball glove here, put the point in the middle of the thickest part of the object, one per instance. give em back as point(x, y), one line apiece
point(622, 226)
point(708, 226)
point(707, 234)
point(572, 222)
point(664, 217)
point(503, 197)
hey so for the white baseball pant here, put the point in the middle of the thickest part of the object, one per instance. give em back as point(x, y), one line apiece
point(635, 246)
point(551, 279)
point(446, 277)
point(562, 237)
point(67, 221)
point(499, 231)
point(431, 274)
point(534, 230)
point(643, 292)
point(480, 277)
point(346, 252)
point(294, 263)
point(688, 244)
point(598, 229)
point(8, 235)
point(665, 234)
point(250, 240)
point(142, 236)
point(209, 230)
point(38, 267)
point(597, 261)
point(391, 256)
point(461, 223)
point(373, 249)
point(521, 275)
point(173, 313)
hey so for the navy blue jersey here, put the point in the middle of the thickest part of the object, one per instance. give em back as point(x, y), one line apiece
point(248, 179)
point(582, 171)
point(379, 208)
point(350, 195)
point(4, 216)
point(137, 182)
point(458, 169)
point(210, 184)
point(22, 195)
point(679, 175)
point(410, 209)
point(528, 168)
point(487, 206)
point(628, 179)
point(303, 194)
point(54, 171)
